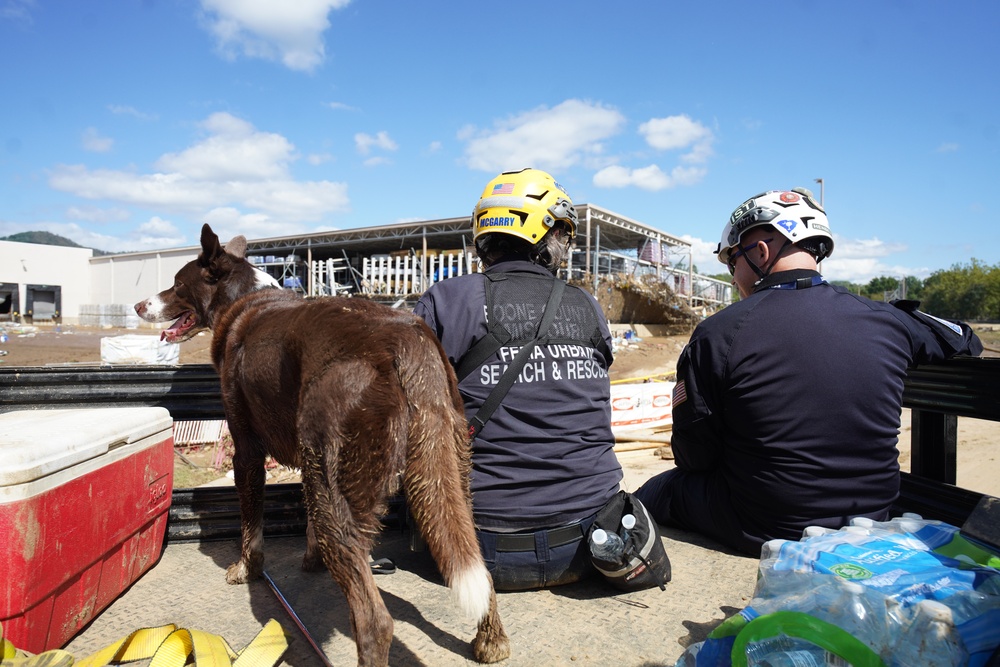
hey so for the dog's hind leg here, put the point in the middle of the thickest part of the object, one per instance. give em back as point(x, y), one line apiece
point(312, 561)
point(344, 547)
point(436, 481)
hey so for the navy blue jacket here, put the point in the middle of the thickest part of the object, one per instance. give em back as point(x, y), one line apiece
point(791, 398)
point(546, 457)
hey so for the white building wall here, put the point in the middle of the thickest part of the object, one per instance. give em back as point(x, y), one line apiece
point(34, 264)
point(131, 278)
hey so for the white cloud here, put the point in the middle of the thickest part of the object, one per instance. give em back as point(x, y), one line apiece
point(340, 106)
point(382, 140)
point(317, 159)
point(948, 147)
point(18, 11)
point(544, 138)
point(376, 161)
point(120, 110)
point(156, 233)
point(97, 214)
point(703, 255)
point(874, 247)
point(853, 260)
point(679, 132)
point(289, 32)
point(95, 143)
point(671, 133)
point(434, 147)
point(650, 178)
point(227, 222)
point(861, 270)
point(235, 150)
point(235, 166)
point(860, 260)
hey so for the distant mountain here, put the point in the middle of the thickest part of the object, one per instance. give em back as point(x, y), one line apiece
point(47, 238)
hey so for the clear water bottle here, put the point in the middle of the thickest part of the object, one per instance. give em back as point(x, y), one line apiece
point(856, 609)
point(783, 651)
point(816, 531)
point(930, 639)
point(861, 612)
point(606, 546)
point(628, 523)
point(907, 523)
point(771, 548)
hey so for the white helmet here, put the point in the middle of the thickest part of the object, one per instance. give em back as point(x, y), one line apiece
point(794, 213)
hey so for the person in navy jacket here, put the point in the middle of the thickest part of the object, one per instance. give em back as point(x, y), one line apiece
point(786, 409)
point(543, 460)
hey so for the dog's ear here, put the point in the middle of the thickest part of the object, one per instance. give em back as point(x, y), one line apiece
point(237, 247)
point(210, 247)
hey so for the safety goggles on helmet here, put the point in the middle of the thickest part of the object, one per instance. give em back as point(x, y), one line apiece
point(741, 251)
point(793, 213)
point(525, 204)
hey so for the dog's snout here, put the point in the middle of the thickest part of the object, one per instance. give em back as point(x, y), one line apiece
point(140, 308)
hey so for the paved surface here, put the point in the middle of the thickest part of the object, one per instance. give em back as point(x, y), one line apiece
point(588, 623)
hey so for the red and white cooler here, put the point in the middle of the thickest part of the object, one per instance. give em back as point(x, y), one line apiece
point(84, 495)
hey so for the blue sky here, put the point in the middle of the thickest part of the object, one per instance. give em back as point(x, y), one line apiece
point(126, 124)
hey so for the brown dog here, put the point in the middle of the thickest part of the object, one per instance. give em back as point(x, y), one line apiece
point(352, 392)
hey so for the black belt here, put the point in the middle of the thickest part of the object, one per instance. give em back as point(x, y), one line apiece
point(556, 537)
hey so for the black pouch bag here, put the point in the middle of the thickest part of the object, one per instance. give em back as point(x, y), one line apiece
point(644, 563)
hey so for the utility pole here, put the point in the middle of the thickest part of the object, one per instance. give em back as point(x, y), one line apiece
point(819, 265)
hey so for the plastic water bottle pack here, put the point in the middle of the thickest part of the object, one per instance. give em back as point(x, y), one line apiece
point(898, 593)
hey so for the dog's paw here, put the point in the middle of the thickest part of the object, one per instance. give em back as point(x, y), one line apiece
point(312, 562)
point(239, 573)
point(491, 646)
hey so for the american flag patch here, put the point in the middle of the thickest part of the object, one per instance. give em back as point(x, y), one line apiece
point(680, 393)
point(503, 188)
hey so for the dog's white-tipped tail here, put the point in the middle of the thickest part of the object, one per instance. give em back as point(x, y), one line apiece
point(471, 589)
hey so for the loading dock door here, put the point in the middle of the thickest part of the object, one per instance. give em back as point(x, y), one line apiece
point(43, 302)
point(10, 302)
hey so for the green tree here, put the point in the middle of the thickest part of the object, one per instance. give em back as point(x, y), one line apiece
point(965, 292)
point(914, 287)
point(877, 287)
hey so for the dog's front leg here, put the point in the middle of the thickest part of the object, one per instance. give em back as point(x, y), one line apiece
point(248, 473)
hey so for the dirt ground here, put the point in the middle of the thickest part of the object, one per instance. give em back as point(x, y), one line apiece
point(978, 440)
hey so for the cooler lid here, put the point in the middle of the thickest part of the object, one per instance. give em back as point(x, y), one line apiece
point(36, 443)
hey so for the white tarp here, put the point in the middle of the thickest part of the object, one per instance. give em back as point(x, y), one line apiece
point(644, 405)
point(138, 349)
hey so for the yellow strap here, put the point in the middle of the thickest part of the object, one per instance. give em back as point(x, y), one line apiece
point(266, 648)
point(56, 658)
point(165, 646)
point(7, 650)
point(137, 646)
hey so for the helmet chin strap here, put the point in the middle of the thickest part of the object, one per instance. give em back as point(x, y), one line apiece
point(766, 271)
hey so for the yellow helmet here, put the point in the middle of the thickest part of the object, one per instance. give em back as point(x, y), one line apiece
point(523, 203)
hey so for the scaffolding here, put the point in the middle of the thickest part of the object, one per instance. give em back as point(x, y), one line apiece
point(405, 259)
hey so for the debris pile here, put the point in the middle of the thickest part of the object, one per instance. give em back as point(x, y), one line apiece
point(642, 300)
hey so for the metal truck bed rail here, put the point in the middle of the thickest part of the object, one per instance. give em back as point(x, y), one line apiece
point(937, 395)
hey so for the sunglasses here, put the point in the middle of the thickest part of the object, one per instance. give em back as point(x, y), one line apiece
point(739, 252)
